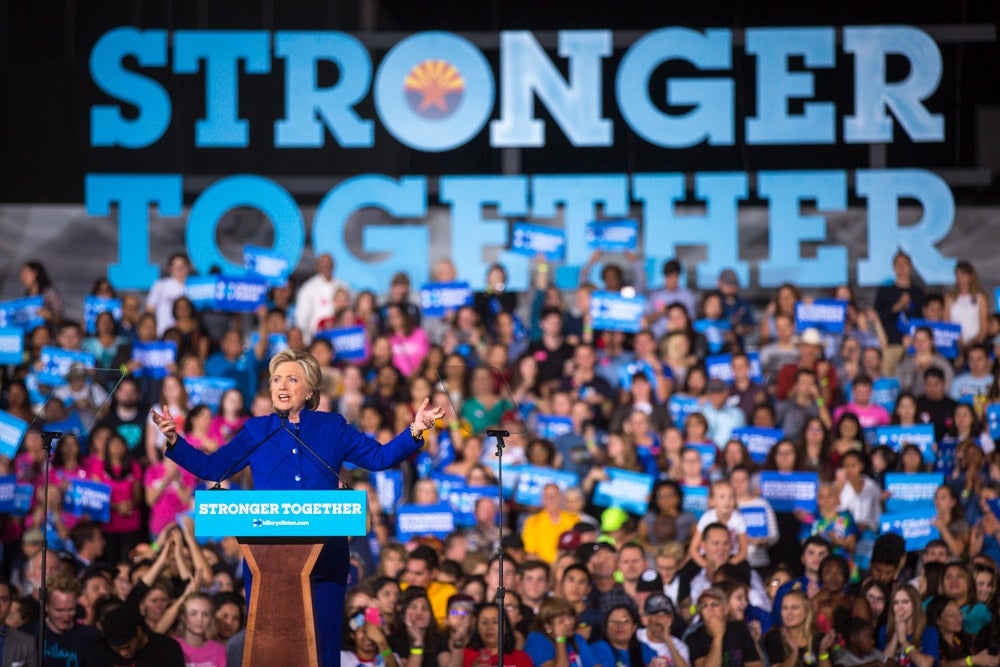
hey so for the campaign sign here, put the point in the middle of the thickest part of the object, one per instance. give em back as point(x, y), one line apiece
point(156, 358)
point(758, 440)
point(714, 332)
point(993, 420)
point(349, 343)
point(276, 342)
point(627, 371)
point(72, 425)
point(946, 336)
point(201, 291)
point(12, 429)
point(621, 235)
point(267, 264)
point(532, 479)
point(885, 391)
point(707, 451)
point(909, 490)
point(463, 498)
point(916, 526)
point(240, 295)
point(56, 363)
point(695, 499)
point(207, 390)
point(280, 513)
point(610, 311)
point(419, 520)
point(789, 491)
point(626, 489)
point(22, 313)
point(756, 520)
point(437, 299)
point(720, 367)
point(681, 406)
point(84, 498)
point(863, 550)
point(827, 315)
point(11, 346)
point(15, 499)
point(921, 435)
point(533, 240)
point(551, 427)
point(389, 489)
point(95, 305)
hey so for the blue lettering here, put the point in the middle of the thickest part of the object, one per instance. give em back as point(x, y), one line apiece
point(526, 71)
point(108, 126)
point(222, 52)
point(306, 103)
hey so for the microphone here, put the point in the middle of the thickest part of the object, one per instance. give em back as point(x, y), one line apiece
point(230, 469)
point(284, 424)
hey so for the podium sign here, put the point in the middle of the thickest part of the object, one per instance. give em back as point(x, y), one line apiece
point(263, 514)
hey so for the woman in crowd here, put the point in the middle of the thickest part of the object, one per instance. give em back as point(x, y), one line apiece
point(665, 519)
point(122, 473)
point(35, 280)
point(230, 615)
point(484, 647)
point(906, 637)
point(847, 436)
point(620, 645)
point(959, 586)
point(197, 631)
point(860, 495)
point(554, 641)
point(414, 634)
point(910, 371)
point(751, 505)
point(106, 345)
point(230, 419)
point(950, 521)
point(797, 642)
point(967, 304)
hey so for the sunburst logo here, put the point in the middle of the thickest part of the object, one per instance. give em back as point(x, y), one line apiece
point(434, 88)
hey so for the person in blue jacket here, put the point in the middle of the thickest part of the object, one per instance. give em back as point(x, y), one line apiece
point(279, 461)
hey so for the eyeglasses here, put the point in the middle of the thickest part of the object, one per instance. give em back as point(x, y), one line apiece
point(619, 621)
point(511, 607)
point(875, 598)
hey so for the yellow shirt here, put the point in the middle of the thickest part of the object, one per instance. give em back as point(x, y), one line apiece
point(541, 535)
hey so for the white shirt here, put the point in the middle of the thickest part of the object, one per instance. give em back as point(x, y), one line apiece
point(661, 647)
point(314, 303)
point(865, 506)
point(160, 301)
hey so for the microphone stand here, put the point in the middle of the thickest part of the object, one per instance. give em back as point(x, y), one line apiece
point(501, 591)
point(47, 438)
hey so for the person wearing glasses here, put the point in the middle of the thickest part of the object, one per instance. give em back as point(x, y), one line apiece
point(620, 645)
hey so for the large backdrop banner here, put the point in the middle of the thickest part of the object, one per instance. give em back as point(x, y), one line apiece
point(806, 154)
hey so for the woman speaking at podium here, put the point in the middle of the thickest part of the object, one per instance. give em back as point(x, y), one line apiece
point(297, 448)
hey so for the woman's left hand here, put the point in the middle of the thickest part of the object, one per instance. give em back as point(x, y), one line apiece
point(427, 414)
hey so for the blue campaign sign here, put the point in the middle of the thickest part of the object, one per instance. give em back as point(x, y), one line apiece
point(921, 435)
point(22, 313)
point(863, 551)
point(349, 343)
point(788, 491)
point(23, 495)
point(276, 342)
point(714, 332)
point(916, 526)
point(907, 490)
point(280, 513)
point(681, 406)
point(628, 370)
point(12, 429)
point(56, 363)
point(8, 489)
point(827, 315)
point(993, 420)
point(885, 391)
point(621, 235)
point(946, 336)
point(420, 520)
point(551, 427)
point(84, 498)
point(720, 367)
point(531, 480)
point(71, 425)
point(708, 453)
point(207, 390)
point(610, 311)
point(510, 475)
point(462, 500)
point(11, 346)
point(695, 499)
point(437, 299)
point(532, 240)
point(156, 357)
point(240, 295)
point(626, 489)
point(95, 305)
point(201, 291)
point(756, 520)
point(389, 489)
point(758, 440)
point(267, 264)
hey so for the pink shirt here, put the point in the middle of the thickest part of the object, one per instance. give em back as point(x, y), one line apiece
point(169, 504)
point(222, 430)
point(209, 654)
point(409, 351)
point(121, 490)
point(870, 416)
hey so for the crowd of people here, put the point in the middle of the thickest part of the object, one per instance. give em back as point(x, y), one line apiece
point(584, 583)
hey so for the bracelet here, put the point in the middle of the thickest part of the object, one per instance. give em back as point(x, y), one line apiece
point(906, 651)
point(386, 653)
point(416, 650)
point(824, 656)
point(154, 546)
point(968, 660)
point(455, 424)
point(560, 640)
point(418, 436)
point(820, 402)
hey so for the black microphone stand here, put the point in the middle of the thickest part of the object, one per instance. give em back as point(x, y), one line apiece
point(47, 438)
point(501, 591)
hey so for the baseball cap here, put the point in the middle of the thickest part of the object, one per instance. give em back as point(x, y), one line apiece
point(659, 604)
point(713, 592)
point(811, 336)
point(649, 582)
point(715, 384)
point(569, 540)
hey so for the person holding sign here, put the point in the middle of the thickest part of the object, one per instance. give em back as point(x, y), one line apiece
point(277, 460)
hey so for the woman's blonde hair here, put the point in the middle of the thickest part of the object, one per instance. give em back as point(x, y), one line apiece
point(310, 368)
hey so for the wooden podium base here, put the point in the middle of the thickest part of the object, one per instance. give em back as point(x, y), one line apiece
point(280, 629)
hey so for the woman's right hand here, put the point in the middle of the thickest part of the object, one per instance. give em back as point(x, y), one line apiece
point(166, 424)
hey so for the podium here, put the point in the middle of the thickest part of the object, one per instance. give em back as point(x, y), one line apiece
point(281, 534)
